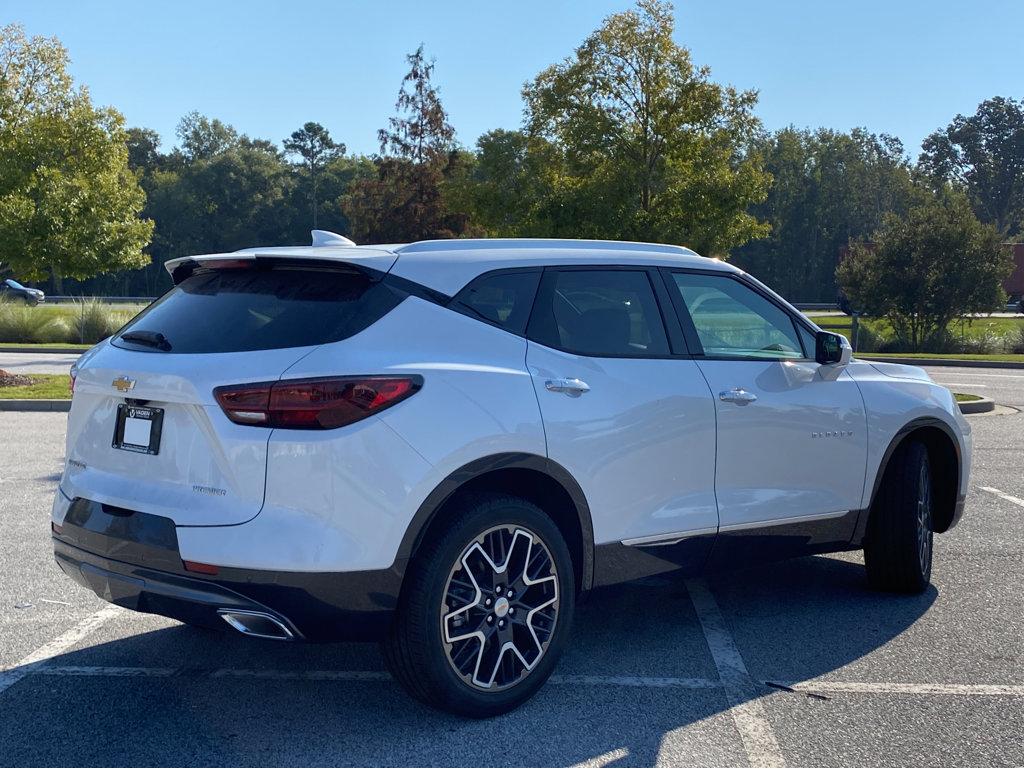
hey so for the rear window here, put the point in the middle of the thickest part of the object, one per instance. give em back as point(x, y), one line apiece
point(240, 310)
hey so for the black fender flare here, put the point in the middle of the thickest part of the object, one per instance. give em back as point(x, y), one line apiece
point(894, 443)
point(510, 460)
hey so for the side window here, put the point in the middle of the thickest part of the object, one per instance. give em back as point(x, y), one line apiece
point(501, 298)
point(734, 321)
point(601, 313)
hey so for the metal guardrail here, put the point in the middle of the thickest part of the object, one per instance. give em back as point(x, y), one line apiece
point(56, 299)
point(812, 306)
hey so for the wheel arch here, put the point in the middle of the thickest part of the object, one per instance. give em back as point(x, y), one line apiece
point(945, 459)
point(535, 478)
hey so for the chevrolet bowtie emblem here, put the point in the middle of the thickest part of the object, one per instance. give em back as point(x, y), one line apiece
point(123, 383)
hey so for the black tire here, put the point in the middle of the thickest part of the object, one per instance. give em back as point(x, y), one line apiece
point(436, 598)
point(898, 541)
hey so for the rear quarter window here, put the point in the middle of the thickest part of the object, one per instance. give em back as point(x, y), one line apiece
point(503, 299)
point(241, 310)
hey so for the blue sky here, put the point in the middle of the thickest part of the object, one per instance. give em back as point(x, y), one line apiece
point(900, 67)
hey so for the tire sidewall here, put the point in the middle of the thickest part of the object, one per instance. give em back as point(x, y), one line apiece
point(452, 691)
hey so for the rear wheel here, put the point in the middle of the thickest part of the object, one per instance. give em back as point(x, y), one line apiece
point(898, 543)
point(485, 610)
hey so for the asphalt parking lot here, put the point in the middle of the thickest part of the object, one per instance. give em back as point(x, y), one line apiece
point(660, 672)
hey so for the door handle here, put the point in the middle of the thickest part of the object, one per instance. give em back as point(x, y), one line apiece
point(572, 387)
point(737, 395)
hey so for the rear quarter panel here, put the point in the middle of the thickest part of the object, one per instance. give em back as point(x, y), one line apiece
point(342, 500)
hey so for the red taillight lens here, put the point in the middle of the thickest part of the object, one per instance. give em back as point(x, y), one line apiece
point(314, 404)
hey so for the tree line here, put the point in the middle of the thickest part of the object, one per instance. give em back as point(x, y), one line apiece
point(626, 138)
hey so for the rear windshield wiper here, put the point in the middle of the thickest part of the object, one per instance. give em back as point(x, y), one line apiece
point(148, 338)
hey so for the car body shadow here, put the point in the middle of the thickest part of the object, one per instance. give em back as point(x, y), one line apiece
point(796, 620)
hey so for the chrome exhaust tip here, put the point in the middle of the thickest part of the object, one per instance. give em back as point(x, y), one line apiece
point(257, 624)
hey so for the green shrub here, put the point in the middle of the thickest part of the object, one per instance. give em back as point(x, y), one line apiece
point(22, 325)
point(1015, 341)
point(868, 339)
point(94, 321)
point(55, 330)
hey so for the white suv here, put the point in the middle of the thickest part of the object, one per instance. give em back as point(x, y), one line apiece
point(446, 444)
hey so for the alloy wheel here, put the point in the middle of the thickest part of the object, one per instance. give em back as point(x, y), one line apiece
point(500, 607)
point(924, 518)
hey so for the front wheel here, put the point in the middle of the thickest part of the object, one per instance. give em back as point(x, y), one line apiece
point(485, 611)
point(898, 542)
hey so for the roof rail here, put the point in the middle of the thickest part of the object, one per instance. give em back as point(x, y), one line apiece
point(328, 238)
point(465, 244)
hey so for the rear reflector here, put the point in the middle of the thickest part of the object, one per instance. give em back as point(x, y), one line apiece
point(55, 528)
point(314, 404)
point(200, 568)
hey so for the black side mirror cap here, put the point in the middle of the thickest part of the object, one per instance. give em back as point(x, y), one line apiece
point(828, 348)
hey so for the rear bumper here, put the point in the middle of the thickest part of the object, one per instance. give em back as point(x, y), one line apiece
point(131, 559)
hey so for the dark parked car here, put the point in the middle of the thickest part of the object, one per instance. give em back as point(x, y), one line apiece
point(13, 291)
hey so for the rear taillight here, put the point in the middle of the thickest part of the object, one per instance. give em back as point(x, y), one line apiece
point(313, 404)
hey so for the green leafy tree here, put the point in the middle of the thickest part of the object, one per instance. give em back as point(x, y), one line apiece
point(408, 201)
point(650, 147)
point(923, 270)
point(143, 150)
point(984, 153)
point(828, 188)
point(313, 143)
point(202, 138)
point(69, 203)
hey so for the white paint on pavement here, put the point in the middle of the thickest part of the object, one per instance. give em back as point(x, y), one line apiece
point(881, 687)
point(606, 759)
point(1003, 495)
point(35, 661)
point(745, 708)
point(651, 682)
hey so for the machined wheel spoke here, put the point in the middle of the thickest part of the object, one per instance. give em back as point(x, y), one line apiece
point(500, 607)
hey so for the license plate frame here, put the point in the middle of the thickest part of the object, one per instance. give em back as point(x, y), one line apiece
point(151, 414)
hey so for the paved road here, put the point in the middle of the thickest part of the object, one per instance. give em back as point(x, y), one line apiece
point(36, 363)
point(936, 679)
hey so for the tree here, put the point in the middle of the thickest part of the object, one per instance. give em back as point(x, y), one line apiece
point(984, 154)
point(69, 203)
point(202, 138)
point(143, 149)
point(923, 270)
point(828, 188)
point(407, 201)
point(313, 143)
point(652, 148)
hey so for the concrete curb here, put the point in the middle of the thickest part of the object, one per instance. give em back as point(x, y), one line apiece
point(941, 362)
point(29, 404)
point(977, 407)
point(42, 350)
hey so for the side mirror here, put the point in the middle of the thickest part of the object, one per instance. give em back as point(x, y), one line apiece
point(832, 349)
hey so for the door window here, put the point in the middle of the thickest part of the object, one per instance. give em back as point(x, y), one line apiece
point(734, 321)
point(600, 313)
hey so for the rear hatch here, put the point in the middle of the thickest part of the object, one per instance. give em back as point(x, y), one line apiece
point(145, 431)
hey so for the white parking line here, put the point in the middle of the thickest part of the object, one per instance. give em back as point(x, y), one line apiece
point(1003, 495)
point(972, 374)
point(745, 708)
point(969, 690)
point(34, 661)
point(649, 682)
